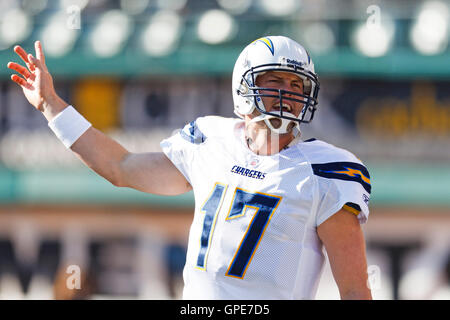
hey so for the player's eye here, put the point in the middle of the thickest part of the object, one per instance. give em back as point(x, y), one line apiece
point(274, 82)
point(296, 85)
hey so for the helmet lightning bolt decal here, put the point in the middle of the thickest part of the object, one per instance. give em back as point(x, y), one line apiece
point(267, 42)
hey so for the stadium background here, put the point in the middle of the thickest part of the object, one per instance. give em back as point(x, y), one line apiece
point(140, 69)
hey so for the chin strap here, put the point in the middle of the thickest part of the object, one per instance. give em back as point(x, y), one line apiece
point(294, 141)
point(284, 124)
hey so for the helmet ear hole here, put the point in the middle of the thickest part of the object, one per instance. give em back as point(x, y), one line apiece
point(243, 88)
point(307, 87)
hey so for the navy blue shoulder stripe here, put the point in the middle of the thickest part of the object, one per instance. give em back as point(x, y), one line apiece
point(349, 171)
point(192, 133)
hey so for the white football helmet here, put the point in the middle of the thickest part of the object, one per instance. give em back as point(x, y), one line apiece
point(274, 53)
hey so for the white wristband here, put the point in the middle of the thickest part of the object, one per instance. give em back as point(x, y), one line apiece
point(69, 125)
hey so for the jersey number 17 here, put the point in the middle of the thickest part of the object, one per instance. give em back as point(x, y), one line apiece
point(264, 204)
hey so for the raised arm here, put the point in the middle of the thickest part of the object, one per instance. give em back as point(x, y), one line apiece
point(147, 172)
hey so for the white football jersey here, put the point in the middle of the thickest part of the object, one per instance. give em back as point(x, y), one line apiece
point(253, 235)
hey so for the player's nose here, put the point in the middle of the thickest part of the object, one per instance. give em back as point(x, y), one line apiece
point(287, 88)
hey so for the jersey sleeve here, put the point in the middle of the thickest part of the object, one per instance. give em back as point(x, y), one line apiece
point(342, 185)
point(180, 148)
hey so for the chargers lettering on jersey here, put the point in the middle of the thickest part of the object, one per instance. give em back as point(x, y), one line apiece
point(248, 172)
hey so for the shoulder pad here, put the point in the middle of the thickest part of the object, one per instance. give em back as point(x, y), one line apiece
point(192, 133)
point(331, 162)
point(202, 128)
point(318, 151)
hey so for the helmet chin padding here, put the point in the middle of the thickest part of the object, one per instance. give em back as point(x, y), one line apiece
point(279, 125)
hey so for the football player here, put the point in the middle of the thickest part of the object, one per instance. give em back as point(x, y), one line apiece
point(267, 202)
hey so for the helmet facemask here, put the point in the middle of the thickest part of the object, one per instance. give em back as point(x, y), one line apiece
point(286, 121)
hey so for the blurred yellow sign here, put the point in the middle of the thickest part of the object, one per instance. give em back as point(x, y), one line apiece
point(422, 114)
point(98, 100)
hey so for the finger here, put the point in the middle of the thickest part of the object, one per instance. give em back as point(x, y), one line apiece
point(21, 52)
point(39, 52)
point(37, 63)
point(24, 56)
point(20, 69)
point(21, 82)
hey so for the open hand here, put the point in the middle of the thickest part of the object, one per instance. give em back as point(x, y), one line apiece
point(35, 80)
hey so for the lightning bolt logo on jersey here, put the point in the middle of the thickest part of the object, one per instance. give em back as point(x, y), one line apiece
point(253, 235)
